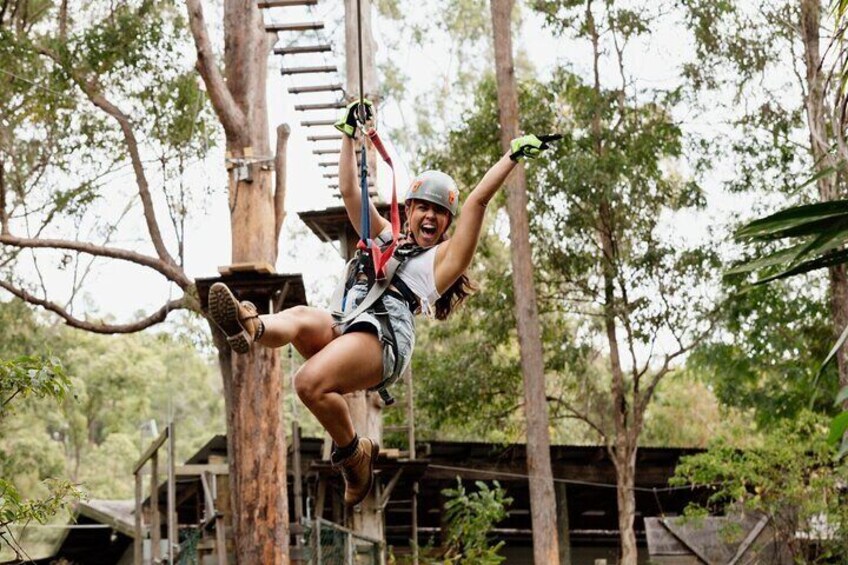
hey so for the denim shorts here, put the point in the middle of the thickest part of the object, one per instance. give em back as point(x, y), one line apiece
point(403, 324)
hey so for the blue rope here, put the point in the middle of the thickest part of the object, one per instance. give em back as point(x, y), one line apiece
point(365, 219)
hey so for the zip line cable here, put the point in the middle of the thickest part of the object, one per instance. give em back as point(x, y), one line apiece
point(511, 475)
point(361, 108)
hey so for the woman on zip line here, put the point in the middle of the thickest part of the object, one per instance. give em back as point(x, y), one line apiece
point(348, 351)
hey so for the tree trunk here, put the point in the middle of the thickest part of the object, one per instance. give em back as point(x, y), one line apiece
point(257, 456)
point(626, 428)
point(542, 497)
point(819, 115)
point(252, 383)
point(625, 466)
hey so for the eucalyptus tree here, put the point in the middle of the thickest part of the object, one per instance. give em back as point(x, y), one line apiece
point(97, 89)
point(767, 67)
point(604, 235)
point(542, 499)
point(606, 256)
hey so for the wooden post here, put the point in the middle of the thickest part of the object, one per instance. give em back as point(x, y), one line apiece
point(415, 523)
point(173, 539)
point(410, 413)
point(298, 488)
point(298, 477)
point(155, 525)
point(138, 542)
point(318, 540)
point(563, 527)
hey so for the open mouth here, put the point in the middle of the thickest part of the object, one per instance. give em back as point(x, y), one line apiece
point(428, 229)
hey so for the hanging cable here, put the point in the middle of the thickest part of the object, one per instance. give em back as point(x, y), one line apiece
point(509, 475)
point(379, 256)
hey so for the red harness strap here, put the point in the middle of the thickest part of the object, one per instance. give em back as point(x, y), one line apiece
point(381, 257)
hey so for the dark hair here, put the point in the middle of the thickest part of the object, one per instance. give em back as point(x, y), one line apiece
point(454, 296)
point(457, 292)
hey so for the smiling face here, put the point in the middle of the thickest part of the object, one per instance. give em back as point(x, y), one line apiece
point(427, 222)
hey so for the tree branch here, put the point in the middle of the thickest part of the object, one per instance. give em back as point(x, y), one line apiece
point(170, 271)
point(283, 131)
point(232, 118)
point(99, 327)
point(91, 89)
point(582, 416)
point(4, 216)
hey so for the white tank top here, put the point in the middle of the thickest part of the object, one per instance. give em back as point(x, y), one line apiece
point(418, 274)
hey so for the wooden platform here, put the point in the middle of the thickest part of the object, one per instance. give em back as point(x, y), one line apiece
point(270, 292)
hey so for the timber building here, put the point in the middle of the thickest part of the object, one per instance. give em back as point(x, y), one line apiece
point(201, 505)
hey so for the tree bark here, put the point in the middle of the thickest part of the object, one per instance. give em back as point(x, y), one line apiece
point(4, 215)
point(542, 496)
point(829, 185)
point(625, 467)
point(257, 458)
point(283, 131)
point(252, 382)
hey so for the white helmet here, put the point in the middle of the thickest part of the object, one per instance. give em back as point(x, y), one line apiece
point(435, 187)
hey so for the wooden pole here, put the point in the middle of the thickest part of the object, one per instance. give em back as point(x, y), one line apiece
point(155, 524)
point(173, 539)
point(138, 542)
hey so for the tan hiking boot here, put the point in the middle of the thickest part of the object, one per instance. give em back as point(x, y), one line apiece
point(238, 320)
point(358, 471)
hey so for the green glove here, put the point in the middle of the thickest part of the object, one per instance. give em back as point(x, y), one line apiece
point(530, 146)
point(350, 115)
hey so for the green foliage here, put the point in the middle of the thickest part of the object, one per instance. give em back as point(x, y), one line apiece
point(686, 412)
point(770, 341)
point(59, 150)
point(792, 478)
point(22, 378)
point(118, 383)
point(470, 518)
point(822, 229)
point(771, 344)
point(31, 376)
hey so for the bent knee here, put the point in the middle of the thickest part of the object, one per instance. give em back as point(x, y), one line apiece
point(308, 385)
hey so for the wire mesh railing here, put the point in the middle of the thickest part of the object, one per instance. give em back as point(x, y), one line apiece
point(328, 543)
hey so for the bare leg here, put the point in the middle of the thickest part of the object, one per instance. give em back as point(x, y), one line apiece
point(348, 363)
point(308, 329)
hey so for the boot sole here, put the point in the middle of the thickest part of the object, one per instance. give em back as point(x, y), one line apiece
point(374, 454)
point(223, 307)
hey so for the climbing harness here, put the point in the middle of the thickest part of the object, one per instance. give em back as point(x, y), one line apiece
point(359, 270)
point(379, 272)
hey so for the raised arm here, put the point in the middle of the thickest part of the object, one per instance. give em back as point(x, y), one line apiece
point(455, 255)
point(349, 180)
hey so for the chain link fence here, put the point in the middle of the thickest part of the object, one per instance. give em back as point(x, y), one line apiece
point(330, 544)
